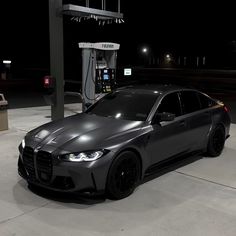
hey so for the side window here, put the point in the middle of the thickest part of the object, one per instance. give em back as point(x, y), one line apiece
point(190, 101)
point(205, 101)
point(170, 103)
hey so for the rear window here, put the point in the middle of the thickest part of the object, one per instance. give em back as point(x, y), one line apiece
point(190, 101)
point(205, 101)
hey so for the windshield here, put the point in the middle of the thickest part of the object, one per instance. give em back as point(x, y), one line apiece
point(126, 105)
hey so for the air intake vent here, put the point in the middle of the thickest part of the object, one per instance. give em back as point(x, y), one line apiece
point(44, 166)
point(28, 159)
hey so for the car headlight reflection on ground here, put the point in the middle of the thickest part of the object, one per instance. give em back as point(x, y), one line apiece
point(23, 143)
point(22, 146)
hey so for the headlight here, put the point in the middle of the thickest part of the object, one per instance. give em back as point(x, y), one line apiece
point(84, 156)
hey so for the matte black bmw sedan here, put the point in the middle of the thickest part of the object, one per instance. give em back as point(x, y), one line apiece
point(122, 138)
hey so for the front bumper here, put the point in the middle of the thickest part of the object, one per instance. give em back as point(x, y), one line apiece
point(68, 176)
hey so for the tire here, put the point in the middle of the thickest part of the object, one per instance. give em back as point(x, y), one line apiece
point(123, 176)
point(216, 141)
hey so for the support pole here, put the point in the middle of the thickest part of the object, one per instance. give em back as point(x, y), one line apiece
point(87, 3)
point(118, 6)
point(56, 57)
point(88, 75)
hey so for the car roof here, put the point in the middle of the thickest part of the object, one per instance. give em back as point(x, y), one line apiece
point(150, 88)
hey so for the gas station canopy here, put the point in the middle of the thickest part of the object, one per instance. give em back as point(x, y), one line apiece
point(81, 11)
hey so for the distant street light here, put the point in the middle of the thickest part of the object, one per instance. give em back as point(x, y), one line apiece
point(6, 62)
point(6, 72)
point(145, 55)
point(145, 50)
point(168, 58)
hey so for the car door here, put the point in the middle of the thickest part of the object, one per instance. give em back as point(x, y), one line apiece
point(197, 117)
point(168, 138)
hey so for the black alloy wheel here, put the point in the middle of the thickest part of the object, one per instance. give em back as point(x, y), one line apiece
point(123, 175)
point(216, 141)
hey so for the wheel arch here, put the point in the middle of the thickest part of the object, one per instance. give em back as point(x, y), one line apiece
point(109, 190)
point(136, 152)
point(214, 125)
point(209, 149)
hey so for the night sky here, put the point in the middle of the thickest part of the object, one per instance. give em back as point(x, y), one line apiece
point(177, 28)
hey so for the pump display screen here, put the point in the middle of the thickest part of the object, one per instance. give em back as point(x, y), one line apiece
point(106, 77)
point(105, 80)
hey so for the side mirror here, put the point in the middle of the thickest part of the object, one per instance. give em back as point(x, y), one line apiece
point(165, 116)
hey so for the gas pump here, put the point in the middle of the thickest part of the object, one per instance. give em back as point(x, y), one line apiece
point(98, 70)
point(105, 80)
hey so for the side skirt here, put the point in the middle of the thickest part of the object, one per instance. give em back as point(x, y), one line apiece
point(172, 162)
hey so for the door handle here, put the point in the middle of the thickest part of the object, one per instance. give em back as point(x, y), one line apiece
point(182, 123)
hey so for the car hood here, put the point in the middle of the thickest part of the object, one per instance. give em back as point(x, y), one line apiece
point(84, 132)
